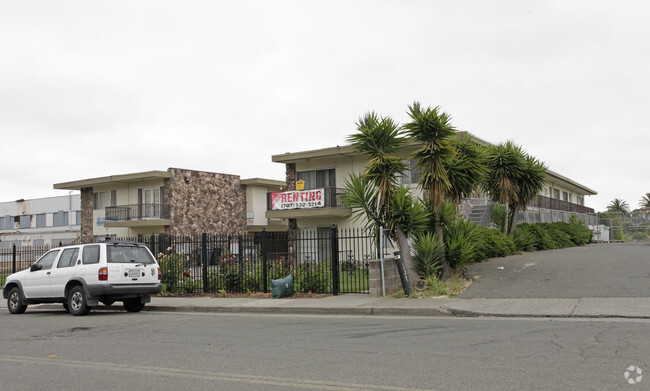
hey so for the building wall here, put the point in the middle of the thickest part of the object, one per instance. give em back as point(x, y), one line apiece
point(256, 205)
point(203, 201)
point(32, 222)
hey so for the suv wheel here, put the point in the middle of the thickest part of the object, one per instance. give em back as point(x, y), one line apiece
point(77, 302)
point(13, 302)
point(133, 305)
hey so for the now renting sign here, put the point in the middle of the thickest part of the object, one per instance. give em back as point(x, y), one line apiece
point(314, 198)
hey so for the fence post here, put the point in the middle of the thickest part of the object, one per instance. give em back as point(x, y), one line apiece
point(204, 260)
point(335, 259)
point(265, 272)
point(240, 241)
point(152, 244)
point(13, 257)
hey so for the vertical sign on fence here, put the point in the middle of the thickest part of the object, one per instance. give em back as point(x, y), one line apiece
point(335, 260)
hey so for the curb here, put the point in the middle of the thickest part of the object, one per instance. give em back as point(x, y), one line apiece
point(376, 311)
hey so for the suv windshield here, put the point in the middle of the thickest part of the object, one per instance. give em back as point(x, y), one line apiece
point(128, 254)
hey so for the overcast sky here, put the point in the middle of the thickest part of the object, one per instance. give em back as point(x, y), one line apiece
point(90, 89)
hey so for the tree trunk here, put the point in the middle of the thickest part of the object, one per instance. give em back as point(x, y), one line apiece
point(506, 225)
point(446, 270)
point(405, 249)
point(515, 211)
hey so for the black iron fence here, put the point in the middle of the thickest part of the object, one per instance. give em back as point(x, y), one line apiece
point(325, 260)
point(320, 260)
point(16, 258)
point(136, 212)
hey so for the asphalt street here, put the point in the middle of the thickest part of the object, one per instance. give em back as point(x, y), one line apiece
point(596, 270)
point(51, 350)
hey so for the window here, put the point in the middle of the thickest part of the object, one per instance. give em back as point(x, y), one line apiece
point(40, 220)
point(102, 199)
point(2, 223)
point(411, 175)
point(581, 200)
point(556, 194)
point(68, 258)
point(90, 255)
point(48, 259)
point(25, 221)
point(150, 201)
point(128, 254)
point(565, 196)
point(77, 217)
point(60, 218)
point(38, 242)
point(315, 179)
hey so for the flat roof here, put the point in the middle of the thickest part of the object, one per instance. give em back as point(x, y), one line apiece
point(262, 182)
point(343, 150)
point(125, 178)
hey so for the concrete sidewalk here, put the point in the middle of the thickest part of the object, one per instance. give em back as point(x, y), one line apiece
point(356, 304)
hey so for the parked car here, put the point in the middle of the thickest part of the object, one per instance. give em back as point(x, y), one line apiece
point(82, 276)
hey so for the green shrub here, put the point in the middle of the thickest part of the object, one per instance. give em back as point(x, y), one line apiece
point(172, 267)
point(460, 238)
point(491, 243)
point(232, 281)
point(543, 241)
point(312, 277)
point(428, 254)
point(498, 215)
point(524, 238)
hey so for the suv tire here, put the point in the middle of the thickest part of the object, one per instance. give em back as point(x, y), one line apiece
point(133, 305)
point(77, 302)
point(14, 304)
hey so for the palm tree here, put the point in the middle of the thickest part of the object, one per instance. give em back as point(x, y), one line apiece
point(432, 130)
point(375, 193)
point(506, 164)
point(618, 206)
point(466, 169)
point(531, 181)
point(645, 202)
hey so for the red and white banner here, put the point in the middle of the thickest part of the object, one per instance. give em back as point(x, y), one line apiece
point(314, 198)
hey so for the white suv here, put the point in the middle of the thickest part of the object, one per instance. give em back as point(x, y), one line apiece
point(81, 276)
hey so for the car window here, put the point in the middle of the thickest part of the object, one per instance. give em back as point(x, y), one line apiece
point(68, 257)
point(90, 255)
point(48, 259)
point(128, 254)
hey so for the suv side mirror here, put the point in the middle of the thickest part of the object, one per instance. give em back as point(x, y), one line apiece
point(36, 266)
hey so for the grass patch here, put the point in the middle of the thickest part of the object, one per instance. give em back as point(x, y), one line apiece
point(453, 286)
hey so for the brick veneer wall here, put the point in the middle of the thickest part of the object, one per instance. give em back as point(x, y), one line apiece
point(205, 201)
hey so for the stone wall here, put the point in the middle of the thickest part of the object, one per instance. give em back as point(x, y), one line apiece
point(87, 207)
point(291, 176)
point(201, 201)
point(391, 277)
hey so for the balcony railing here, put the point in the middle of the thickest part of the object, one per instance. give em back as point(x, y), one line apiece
point(555, 204)
point(136, 212)
point(332, 198)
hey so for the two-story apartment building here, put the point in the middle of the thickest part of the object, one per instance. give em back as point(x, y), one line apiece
point(40, 222)
point(321, 174)
point(175, 201)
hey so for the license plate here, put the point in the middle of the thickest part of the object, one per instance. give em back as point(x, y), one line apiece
point(134, 273)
